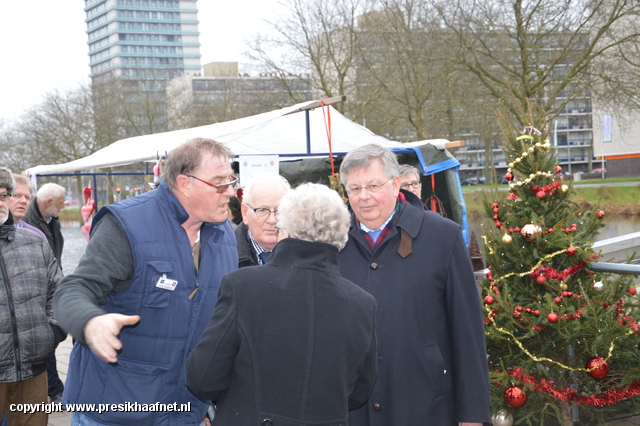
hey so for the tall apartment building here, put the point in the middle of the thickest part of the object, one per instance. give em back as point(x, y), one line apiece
point(140, 40)
point(571, 135)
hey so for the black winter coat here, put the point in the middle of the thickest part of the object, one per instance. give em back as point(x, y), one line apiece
point(289, 343)
point(432, 363)
point(51, 230)
point(246, 253)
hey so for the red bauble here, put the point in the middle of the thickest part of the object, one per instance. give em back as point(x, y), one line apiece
point(598, 366)
point(632, 291)
point(552, 317)
point(571, 250)
point(558, 169)
point(600, 214)
point(489, 300)
point(515, 397)
point(509, 176)
point(541, 194)
point(541, 280)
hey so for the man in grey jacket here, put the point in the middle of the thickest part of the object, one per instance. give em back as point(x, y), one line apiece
point(29, 274)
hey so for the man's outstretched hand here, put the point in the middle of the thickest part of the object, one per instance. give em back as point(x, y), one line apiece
point(101, 334)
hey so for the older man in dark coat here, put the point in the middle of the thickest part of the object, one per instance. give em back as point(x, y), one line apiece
point(431, 347)
point(291, 342)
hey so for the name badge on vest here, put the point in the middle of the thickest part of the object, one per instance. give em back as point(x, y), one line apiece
point(166, 283)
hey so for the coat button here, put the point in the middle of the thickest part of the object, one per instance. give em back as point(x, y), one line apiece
point(267, 422)
point(377, 407)
point(374, 266)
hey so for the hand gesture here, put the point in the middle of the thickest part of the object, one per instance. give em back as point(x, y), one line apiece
point(101, 334)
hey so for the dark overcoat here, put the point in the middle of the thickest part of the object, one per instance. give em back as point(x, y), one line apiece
point(289, 343)
point(432, 364)
point(246, 253)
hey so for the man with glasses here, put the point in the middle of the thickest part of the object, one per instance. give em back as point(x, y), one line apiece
point(432, 364)
point(145, 289)
point(29, 331)
point(257, 235)
point(410, 179)
point(19, 204)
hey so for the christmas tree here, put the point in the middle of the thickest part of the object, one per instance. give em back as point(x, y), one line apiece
point(559, 336)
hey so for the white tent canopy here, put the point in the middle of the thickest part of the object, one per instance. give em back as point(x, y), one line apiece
point(281, 132)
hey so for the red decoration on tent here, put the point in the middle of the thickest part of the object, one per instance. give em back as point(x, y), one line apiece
point(327, 125)
point(86, 211)
point(86, 229)
point(86, 193)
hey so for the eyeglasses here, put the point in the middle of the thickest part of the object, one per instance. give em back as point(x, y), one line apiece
point(414, 185)
point(356, 190)
point(220, 187)
point(263, 212)
point(18, 196)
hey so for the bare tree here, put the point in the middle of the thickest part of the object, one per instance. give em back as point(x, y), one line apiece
point(59, 129)
point(317, 43)
point(543, 50)
point(131, 107)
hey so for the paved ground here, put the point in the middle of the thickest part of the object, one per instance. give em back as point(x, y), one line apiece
point(62, 361)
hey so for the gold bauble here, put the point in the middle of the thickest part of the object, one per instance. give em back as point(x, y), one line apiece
point(564, 286)
point(564, 188)
point(506, 238)
point(530, 232)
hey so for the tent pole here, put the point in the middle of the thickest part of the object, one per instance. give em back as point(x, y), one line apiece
point(95, 192)
point(307, 122)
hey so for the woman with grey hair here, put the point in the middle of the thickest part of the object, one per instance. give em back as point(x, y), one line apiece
point(290, 342)
point(314, 212)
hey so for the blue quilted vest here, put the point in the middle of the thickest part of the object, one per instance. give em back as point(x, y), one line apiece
point(151, 364)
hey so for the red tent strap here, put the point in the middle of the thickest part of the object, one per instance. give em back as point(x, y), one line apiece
point(434, 207)
point(327, 125)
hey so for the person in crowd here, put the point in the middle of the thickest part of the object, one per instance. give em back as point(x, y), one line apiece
point(291, 342)
point(19, 203)
point(42, 214)
point(432, 363)
point(145, 289)
point(410, 179)
point(28, 329)
point(256, 234)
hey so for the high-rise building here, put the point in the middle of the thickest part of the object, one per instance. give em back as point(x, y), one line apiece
point(140, 40)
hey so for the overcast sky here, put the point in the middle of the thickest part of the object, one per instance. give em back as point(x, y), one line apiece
point(44, 43)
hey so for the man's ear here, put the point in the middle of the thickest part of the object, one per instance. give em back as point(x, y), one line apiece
point(244, 209)
point(184, 185)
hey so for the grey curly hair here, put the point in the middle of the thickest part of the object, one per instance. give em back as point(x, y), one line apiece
point(6, 180)
point(313, 212)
